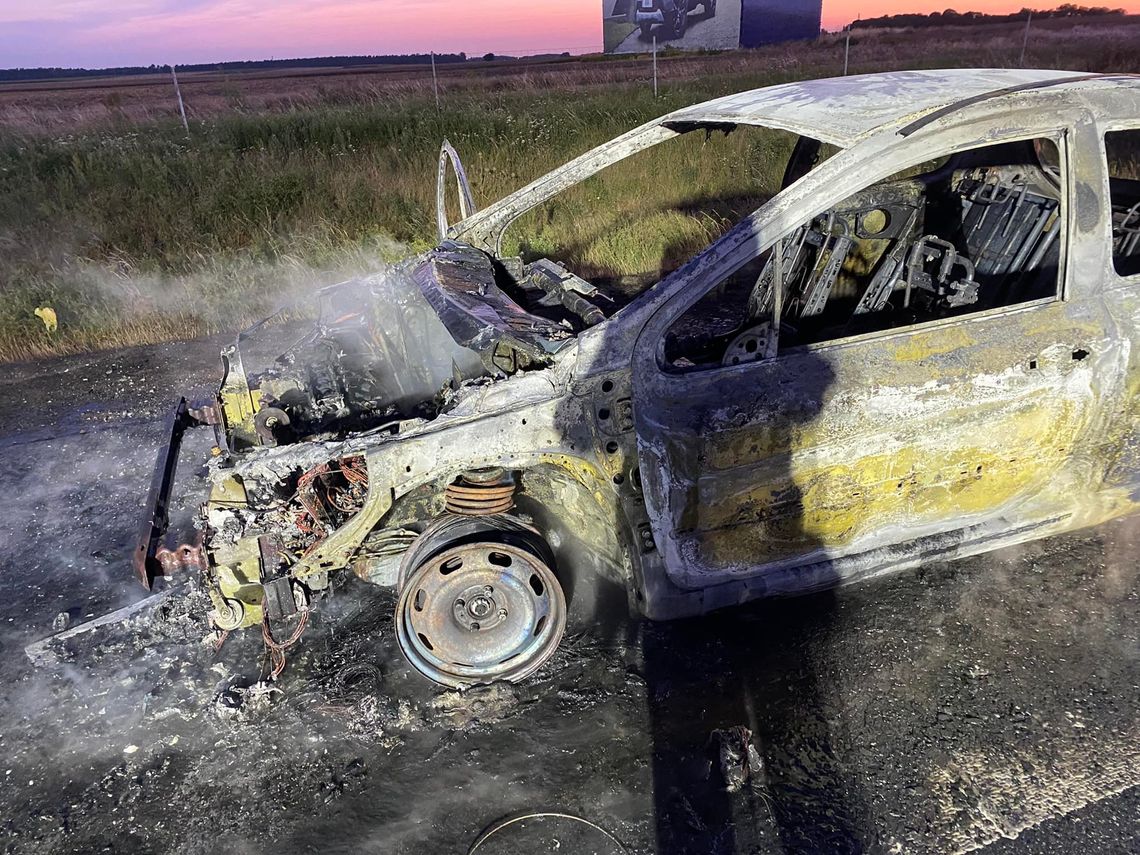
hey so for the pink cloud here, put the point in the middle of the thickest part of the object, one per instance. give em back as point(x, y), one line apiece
point(78, 32)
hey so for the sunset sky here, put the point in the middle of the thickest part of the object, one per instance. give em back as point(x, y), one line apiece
point(96, 33)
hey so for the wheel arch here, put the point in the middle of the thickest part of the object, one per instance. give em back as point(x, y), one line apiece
point(573, 503)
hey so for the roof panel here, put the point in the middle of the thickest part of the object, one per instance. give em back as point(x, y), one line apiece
point(841, 110)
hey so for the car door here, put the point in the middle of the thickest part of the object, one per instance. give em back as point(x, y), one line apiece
point(832, 458)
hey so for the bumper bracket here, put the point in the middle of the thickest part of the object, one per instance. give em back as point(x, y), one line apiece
point(155, 516)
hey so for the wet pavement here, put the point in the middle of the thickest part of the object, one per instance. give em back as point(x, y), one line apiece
point(989, 704)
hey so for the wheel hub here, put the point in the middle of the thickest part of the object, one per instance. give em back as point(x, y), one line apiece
point(479, 612)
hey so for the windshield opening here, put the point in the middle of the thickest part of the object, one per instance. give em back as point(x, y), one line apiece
point(629, 225)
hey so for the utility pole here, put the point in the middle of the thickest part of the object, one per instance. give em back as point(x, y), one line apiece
point(1025, 40)
point(181, 106)
point(847, 44)
point(654, 65)
point(434, 81)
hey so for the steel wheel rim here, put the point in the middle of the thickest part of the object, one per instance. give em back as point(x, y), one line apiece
point(480, 612)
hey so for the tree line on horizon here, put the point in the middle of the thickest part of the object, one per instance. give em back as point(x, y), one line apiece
point(10, 74)
point(951, 17)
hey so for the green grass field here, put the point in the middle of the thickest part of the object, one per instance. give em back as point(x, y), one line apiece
point(134, 233)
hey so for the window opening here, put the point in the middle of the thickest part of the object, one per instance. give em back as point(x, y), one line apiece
point(1122, 149)
point(976, 231)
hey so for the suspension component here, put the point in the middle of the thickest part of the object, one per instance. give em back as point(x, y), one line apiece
point(479, 493)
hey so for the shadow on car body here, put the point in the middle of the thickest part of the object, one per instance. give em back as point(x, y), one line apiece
point(718, 683)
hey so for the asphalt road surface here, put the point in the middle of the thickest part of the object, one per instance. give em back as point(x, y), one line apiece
point(985, 705)
point(720, 31)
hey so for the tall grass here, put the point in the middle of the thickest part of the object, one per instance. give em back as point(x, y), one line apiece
point(134, 233)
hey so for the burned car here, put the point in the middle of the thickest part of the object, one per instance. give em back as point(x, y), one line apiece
point(924, 346)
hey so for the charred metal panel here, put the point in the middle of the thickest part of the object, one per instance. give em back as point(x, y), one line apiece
point(852, 447)
point(824, 464)
point(459, 283)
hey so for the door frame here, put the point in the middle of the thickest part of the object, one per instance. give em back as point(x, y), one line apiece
point(833, 181)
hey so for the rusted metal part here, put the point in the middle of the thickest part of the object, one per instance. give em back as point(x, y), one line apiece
point(323, 500)
point(481, 493)
point(379, 558)
point(568, 289)
point(477, 501)
point(267, 422)
point(479, 612)
point(355, 469)
point(206, 413)
point(146, 560)
point(307, 496)
point(276, 648)
point(184, 558)
point(450, 529)
point(228, 614)
point(351, 468)
point(271, 553)
point(336, 550)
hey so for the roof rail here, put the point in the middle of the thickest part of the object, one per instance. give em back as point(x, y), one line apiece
point(935, 115)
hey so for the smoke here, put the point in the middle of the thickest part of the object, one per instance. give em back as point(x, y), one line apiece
point(65, 542)
point(75, 488)
point(224, 287)
point(412, 354)
point(116, 301)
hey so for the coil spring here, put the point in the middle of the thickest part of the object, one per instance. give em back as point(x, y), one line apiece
point(477, 494)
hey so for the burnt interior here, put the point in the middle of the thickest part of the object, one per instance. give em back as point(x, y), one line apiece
point(975, 232)
point(1122, 149)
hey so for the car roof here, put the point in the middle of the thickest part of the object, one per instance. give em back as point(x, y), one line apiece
point(844, 110)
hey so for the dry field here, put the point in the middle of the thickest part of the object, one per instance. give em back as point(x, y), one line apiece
point(135, 233)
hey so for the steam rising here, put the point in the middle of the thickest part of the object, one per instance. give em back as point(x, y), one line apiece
point(419, 355)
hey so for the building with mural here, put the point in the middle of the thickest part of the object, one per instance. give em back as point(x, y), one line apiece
point(633, 26)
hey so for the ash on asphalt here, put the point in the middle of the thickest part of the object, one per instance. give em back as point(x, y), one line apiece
point(985, 704)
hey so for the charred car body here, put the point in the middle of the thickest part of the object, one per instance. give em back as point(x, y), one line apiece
point(924, 346)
